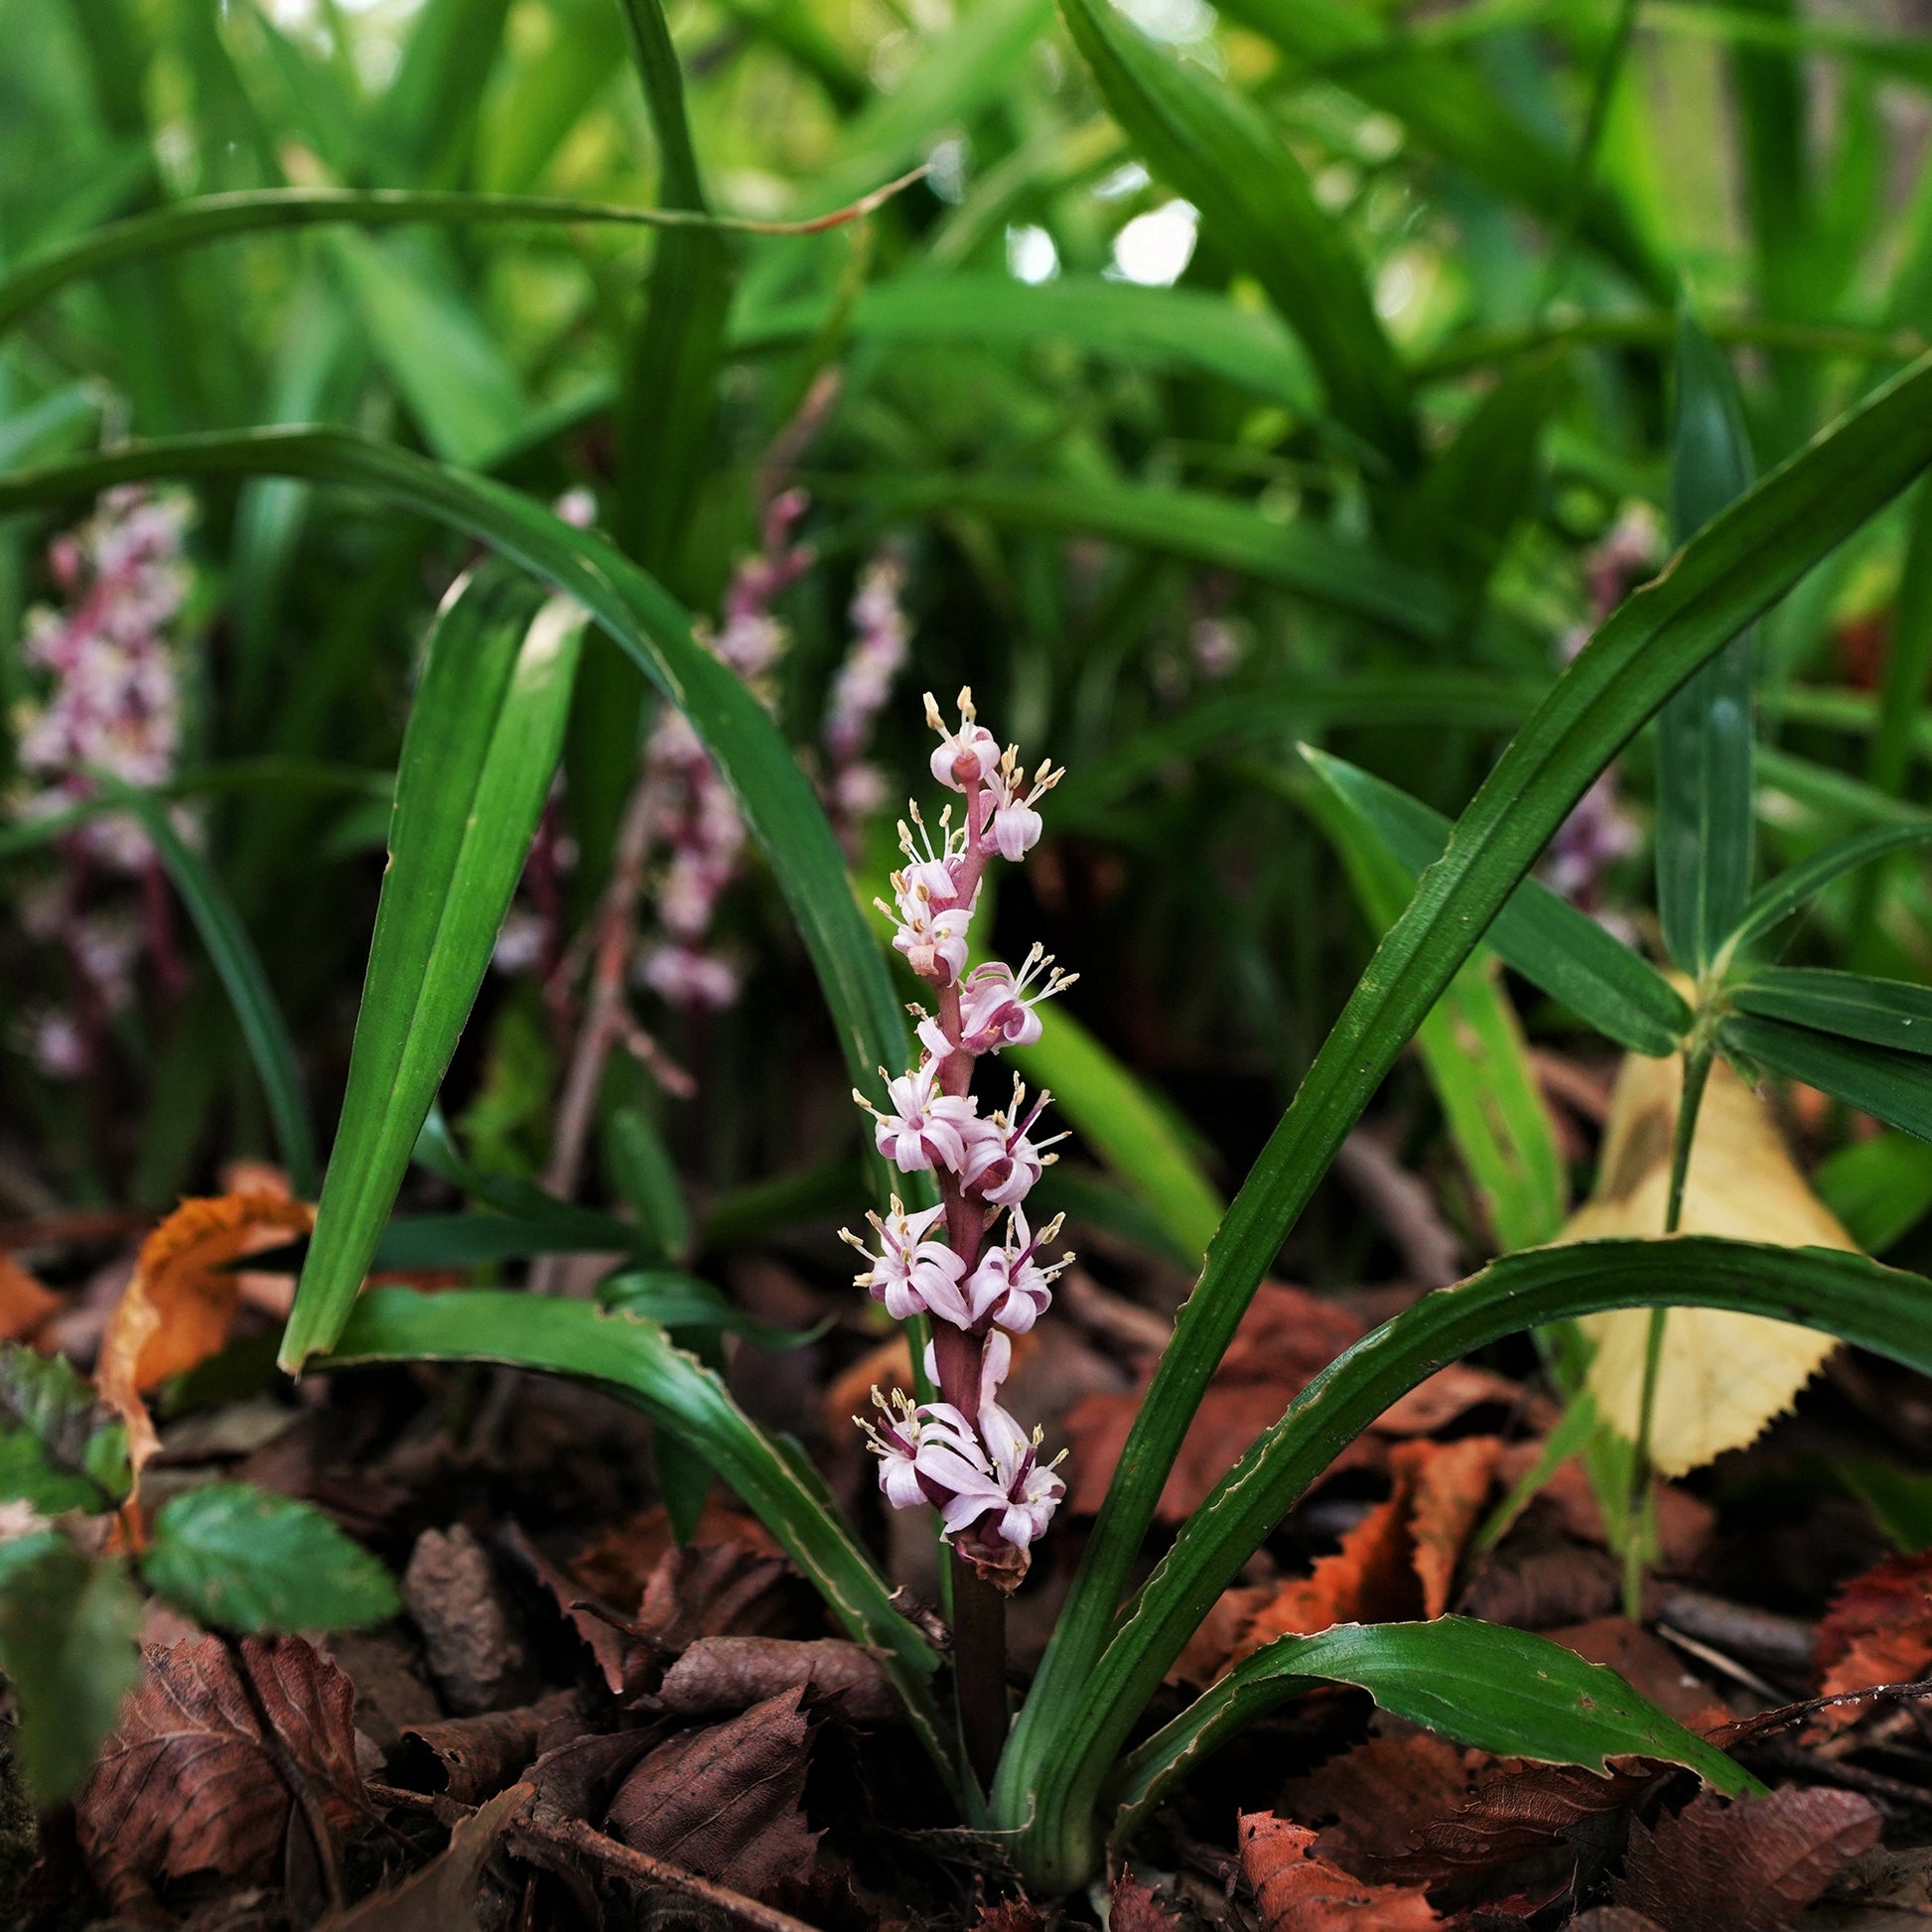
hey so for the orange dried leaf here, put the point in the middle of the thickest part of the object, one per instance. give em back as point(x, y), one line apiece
point(24, 1303)
point(1878, 1631)
point(181, 1301)
point(1299, 1892)
point(1451, 1480)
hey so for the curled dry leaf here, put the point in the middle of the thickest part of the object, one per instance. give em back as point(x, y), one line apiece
point(180, 1300)
point(711, 1590)
point(1751, 1866)
point(727, 1802)
point(617, 1564)
point(192, 1781)
point(1010, 1915)
point(1878, 1631)
point(1723, 1376)
point(1400, 1561)
point(468, 1760)
point(730, 1673)
point(1299, 1892)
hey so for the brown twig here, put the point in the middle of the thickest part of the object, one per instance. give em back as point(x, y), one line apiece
point(1431, 1253)
point(642, 1871)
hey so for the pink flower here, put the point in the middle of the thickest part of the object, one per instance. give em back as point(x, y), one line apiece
point(993, 1469)
point(927, 1128)
point(911, 1275)
point(1002, 1163)
point(909, 1440)
point(966, 756)
point(996, 1008)
point(936, 944)
point(1010, 1288)
point(1009, 805)
point(682, 976)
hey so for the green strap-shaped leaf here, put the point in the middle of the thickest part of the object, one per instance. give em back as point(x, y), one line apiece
point(1884, 1012)
point(189, 224)
point(236, 1557)
point(1705, 815)
point(483, 740)
point(1341, 572)
point(238, 966)
point(66, 1643)
point(1845, 1295)
point(1473, 1044)
point(1790, 890)
point(1893, 1087)
point(1539, 933)
point(61, 1447)
point(771, 791)
point(1503, 1690)
point(635, 1359)
point(1213, 146)
point(682, 1305)
point(1734, 569)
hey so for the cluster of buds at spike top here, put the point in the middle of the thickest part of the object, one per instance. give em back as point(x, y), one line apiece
point(973, 1264)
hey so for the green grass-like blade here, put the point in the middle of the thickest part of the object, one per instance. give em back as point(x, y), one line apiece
point(1883, 1013)
point(1736, 568)
point(1213, 146)
point(1845, 1295)
point(483, 740)
point(1789, 890)
point(635, 1361)
point(1503, 1690)
point(1541, 934)
point(1705, 802)
point(1893, 1087)
point(240, 968)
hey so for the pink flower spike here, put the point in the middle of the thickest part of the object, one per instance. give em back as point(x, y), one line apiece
point(1002, 1163)
point(928, 1128)
point(964, 758)
point(1003, 1476)
point(1010, 801)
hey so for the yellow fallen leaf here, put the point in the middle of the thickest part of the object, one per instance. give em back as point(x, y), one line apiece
point(179, 1304)
point(1721, 1377)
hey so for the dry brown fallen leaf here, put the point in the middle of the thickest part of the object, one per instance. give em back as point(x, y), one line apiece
point(731, 1673)
point(1750, 1866)
point(1400, 1560)
point(469, 1759)
point(1723, 1376)
point(442, 1896)
point(1649, 1666)
point(1285, 1338)
point(1136, 1907)
point(24, 1303)
point(1370, 1802)
point(1299, 1892)
point(727, 1802)
point(189, 1781)
point(180, 1300)
point(469, 1636)
point(618, 1564)
point(1010, 1915)
point(1878, 1631)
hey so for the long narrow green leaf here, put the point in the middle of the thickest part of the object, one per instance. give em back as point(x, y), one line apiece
point(1705, 816)
point(1881, 1188)
point(1211, 145)
point(1895, 1088)
point(240, 968)
point(1542, 935)
point(1503, 1690)
point(188, 225)
point(1333, 570)
point(777, 802)
point(1473, 1045)
point(484, 737)
point(1789, 890)
point(1734, 569)
point(1884, 1012)
point(634, 1358)
point(1845, 1295)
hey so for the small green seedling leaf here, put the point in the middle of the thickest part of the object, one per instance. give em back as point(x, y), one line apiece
point(236, 1557)
point(61, 1447)
point(67, 1641)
